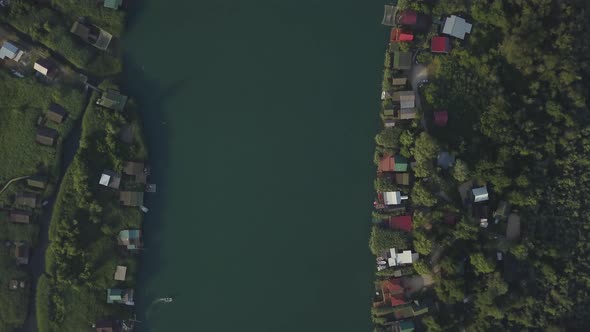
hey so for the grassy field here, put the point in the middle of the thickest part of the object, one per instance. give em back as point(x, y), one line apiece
point(22, 101)
point(83, 253)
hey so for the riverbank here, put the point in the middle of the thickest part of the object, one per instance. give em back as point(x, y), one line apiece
point(53, 70)
point(480, 180)
point(88, 217)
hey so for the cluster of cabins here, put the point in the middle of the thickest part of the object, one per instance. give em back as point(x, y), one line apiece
point(400, 109)
point(22, 213)
point(134, 175)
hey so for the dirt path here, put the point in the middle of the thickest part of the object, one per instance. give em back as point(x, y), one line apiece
point(13, 180)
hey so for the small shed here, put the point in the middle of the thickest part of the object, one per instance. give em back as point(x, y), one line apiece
point(456, 26)
point(131, 198)
point(113, 4)
point(445, 160)
point(105, 325)
point(400, 164)
point(26, 199)
point(20, 217)
point(441, 118)
point(440, 44)
point(44, 67)
point(403, 96)
point(21, 253)
point(120, 273)
point(56, 113)
point(480, 194)
point(46, 136)
point(402, 179)
point(10, 51)
point(110, 179)
point(112, 99)
point(37, 181)
point(513, 228)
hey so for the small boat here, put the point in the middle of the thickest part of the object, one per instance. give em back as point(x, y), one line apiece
point(380, 259)
point(381, 268)
point(381, 263)
point(165, 299)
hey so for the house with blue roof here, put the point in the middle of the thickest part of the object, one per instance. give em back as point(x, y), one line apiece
point(10, 51)
point(120, 296)
point(130, 238)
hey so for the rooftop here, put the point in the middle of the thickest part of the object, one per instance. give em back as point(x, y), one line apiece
point(456, 26)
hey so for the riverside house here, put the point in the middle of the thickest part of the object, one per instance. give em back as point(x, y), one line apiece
point(401, 223)
point(393, 198)
point(46, 136)
point(120, 296)
point(406, 257)
point(56, 113)
point(112, 99)
point(129, 238)
point(137, 170)
point(440, 44)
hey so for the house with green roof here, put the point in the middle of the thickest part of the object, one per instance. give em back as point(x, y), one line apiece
point(401, 164)
point(130, 238)
point(113, 4)
point(112, 99)
point(121, 296)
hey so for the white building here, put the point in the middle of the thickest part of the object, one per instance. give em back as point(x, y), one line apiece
point(10, 51)
point(456, 26)
point(393, 197)
point(405, 257)
point(110, 179)
point(480, 194)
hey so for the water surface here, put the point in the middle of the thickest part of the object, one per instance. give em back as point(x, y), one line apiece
point(260, 117)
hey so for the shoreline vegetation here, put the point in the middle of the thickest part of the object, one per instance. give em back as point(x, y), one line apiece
point(61, 61)
point(482, 168)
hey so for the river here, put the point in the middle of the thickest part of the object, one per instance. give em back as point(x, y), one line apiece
point(260, 117)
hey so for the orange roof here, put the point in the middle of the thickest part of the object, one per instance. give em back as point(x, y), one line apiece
point(398, 35)
point(386, 164)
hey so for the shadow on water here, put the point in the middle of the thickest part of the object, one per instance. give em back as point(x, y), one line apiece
point(150, 97)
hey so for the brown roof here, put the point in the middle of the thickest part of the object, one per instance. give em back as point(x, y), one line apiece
point(17, 216)
point(386, 163)
point(136, 169)
point(104, 326)
point(402, 178)
point(37, 181)
point(56, 113)
point(131, 198)
point(399, 81)
point(46, 136)
point(26, 199)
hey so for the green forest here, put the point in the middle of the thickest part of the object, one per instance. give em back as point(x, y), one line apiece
point(515, 91)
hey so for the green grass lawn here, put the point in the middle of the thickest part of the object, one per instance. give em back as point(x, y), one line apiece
point(22, 101)
point(105, 18)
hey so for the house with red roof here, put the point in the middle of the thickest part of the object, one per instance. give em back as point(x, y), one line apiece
point(393, 292)
point(407, 17)
point(441, 118)
point(440, 44)
point(401, 223)
point(399, 35)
